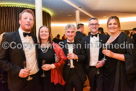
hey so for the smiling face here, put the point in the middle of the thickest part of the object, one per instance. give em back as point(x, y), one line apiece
point(44, 33)
point(70, 34)
point(113, 26)
point(93, 26)
point(26, 21)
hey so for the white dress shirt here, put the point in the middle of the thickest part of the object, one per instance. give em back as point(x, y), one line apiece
point(30, 52)
point(94, 50)
point(70, 50)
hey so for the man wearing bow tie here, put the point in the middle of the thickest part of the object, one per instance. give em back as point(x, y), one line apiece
point(19, 59)
point(74, 74)
point(93, 49)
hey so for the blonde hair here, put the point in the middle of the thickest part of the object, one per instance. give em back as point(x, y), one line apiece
point(115, 18)
point(28, 11)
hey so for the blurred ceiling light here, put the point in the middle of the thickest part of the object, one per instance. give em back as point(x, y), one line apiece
point(104, 21)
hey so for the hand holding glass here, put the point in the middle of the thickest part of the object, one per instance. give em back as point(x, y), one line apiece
point(104, 48)
point(29, 77)
point(43, 74)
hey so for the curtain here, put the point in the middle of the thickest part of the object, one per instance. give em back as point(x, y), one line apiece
point(9, 19)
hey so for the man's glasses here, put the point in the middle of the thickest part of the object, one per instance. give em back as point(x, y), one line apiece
point(95, 24)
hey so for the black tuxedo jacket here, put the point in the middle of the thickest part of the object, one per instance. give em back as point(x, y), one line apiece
point(11, 59)
point(79, 36)
point(77, 64)
point(86, 43)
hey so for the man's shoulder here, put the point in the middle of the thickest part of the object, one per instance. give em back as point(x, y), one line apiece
point(80, 33)
point(134, 35)
point(62, 42)
point(104, 36)
point(10, 34)
point(86, 37)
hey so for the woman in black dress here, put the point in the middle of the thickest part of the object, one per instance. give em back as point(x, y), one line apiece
point(52, 60)
point(119, 68)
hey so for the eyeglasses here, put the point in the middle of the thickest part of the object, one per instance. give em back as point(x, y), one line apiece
point(94, 24)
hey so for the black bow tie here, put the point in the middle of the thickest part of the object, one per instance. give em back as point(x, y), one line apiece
point(26, 34)
point(94, 35)
point(70, 42)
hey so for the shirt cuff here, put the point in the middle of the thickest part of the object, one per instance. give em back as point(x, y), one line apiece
point(52, 66)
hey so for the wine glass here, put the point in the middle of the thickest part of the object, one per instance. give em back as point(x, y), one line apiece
point(71, 61)
point(29, 77)
point(98, 72)
point(43, 74)
point(104, 48)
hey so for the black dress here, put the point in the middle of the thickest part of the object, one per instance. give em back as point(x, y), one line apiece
point(49, 56)
point(115, 71)
point(110, 69)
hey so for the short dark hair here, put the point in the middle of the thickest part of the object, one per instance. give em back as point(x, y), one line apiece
point(134, 29)
point(58, 35)
point(127, 32)
point(101, 30)
point(80, 25)
point(28, 11)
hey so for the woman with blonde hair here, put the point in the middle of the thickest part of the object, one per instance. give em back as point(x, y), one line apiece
point(120, 65)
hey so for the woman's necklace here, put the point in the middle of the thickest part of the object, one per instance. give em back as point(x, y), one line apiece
point(112, 38)
point(45, 47)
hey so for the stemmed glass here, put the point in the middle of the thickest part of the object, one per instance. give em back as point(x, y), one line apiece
point(43, 74)
point(104, 48)
point(29, 77)
point(71, 61)
point(98, 72)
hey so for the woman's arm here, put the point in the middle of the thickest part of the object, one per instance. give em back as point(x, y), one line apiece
point(114, 55)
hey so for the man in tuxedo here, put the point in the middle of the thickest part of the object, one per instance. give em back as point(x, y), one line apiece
point(95, 58)
point(134, 35)
point(79, 33)
point(74, 74)
point(18, 56)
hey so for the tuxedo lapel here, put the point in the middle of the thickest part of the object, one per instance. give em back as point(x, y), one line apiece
point(88, 45)
point(65, 47)
point(74, 48)
point(18, 41)
point(35, 44)
point(100, 38)
point(101, 41)
point(34, 39)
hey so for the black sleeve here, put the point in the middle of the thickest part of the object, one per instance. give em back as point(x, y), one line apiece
point(5, 62)
point(130, 58)
point(134, 38)
point(81, 54)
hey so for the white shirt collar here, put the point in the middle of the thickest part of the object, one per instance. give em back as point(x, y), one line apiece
point(21, 32)
point(70, 41)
